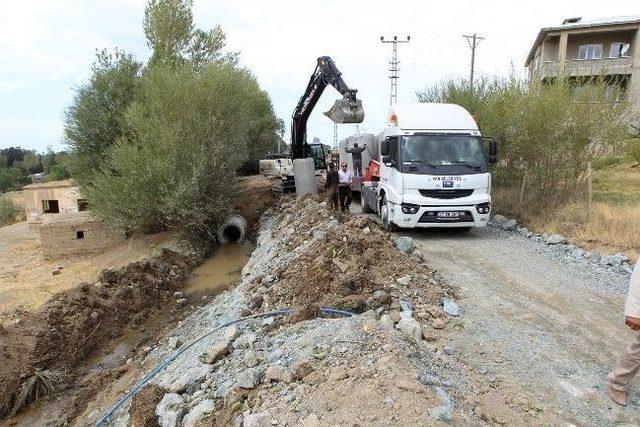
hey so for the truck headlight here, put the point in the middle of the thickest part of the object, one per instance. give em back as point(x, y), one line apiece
point(483, 208)
point(410, 209)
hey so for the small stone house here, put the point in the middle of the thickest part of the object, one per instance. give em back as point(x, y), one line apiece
point(47, 199)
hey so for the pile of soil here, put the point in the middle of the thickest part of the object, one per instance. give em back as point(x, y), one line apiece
point(354, 267)
point(76, 323)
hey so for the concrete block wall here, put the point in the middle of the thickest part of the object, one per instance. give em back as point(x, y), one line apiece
point(60, 239)
point(67, 198)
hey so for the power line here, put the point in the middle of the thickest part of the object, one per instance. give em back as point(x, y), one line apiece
point(473, 40)
point(393, 96)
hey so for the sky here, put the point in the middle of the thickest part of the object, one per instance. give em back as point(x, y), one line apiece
point(47, 48)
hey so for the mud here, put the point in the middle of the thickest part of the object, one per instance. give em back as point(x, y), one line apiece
point(76, 323)
point(220, 270)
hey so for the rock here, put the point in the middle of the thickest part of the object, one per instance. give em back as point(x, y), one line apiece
point(614, 260)
point(249, 378)
point(221, 347)
point(576, 253)
point(448, 350)
point(394, 315)
point(409, 326)
point(245, 340)
point(341, 266)
point(510, 225)
point(385, 320)
point(444, 412)
point(198, 412)
point(178, 295)
point(170, 410)
point(258, 419)
point(405, 305)
point(450, 307)
point(404, 244)
point(278, 374)
point(404, 280)
point(300, 369)
point(268, 280)
point(438, 323)
point(366, 230)
point(55, 272)
point(555, 239)
point(427, 378)
point(498, 219)
point(174, 342)
point(250, 359)
point(94, 315)
point(181, 302)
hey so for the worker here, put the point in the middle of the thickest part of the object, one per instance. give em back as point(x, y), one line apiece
point(331, 187)
point(345, 178)
point(356, 158)
point(629, 364)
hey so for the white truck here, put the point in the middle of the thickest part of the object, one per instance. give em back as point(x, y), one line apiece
point(429, 167)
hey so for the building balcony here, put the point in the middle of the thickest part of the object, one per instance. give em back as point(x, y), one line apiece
point(588, 67)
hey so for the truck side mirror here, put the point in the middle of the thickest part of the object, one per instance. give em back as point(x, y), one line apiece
point(388, 161)
point(387, 144)
point(493, 150)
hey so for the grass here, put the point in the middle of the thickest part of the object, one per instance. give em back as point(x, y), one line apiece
point(40, 383)
point(10, 212)
point(614, 225)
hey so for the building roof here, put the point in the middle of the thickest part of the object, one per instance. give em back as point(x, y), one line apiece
point(576, 23)
point(51, 184)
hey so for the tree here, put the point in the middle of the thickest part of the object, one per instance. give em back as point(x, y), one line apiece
point(168, 26)
point(94, 121)
point(190, 130)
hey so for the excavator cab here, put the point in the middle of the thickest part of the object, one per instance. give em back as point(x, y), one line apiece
point(319, 155)
point(347, 110)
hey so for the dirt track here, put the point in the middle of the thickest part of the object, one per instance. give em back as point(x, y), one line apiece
point(549, 329)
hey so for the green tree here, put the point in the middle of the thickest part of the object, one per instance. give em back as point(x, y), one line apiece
point(168, 26)
point(94, 121)
point(190, 130)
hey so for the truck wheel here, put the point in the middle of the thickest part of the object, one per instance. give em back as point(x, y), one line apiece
point(363, 204)
point(387, 224)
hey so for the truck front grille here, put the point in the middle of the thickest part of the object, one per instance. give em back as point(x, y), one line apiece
point(432, 217)
point(440, 193)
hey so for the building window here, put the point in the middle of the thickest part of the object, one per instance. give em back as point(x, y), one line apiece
point(619, 50)
point(83, 205)
point(79, 234)
point(50, 206)
point(590, 51)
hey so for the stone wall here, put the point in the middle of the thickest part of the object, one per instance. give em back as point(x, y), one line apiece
point(75, 237)
point(67, 197)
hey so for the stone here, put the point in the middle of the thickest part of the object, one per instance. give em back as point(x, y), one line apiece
point(301, 368)
point(444, 412)
point(250, 359)
point(277, 374)
point(55, 272)
point(450, 307)
point(178, 295)
point(498, 219)
point(448, 350)
point(181, 302)
point(174, 342)
point(258, 419)
point(385, 320)
point(555, 239)
point(405, 305)
point(404, 280)
point(366, 230)
point(510, 225)
point(438, 323)
point(249, 378)
point(94, 315)
point(394, 315)
point(614, 260)
point(576, 253)
point(221, 348)
point(245, 340)
point(409, 326)
point(404, 244)
point(202, 409)
point(427, 378)
point(170, 410)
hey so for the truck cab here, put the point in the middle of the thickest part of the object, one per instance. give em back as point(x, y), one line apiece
point(432, 169)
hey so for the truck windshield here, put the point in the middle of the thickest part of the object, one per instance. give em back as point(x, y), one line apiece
point(440, 150)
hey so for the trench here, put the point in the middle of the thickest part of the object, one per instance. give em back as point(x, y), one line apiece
point(221, 270)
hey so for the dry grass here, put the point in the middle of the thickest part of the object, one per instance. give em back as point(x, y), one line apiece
point(42, 382)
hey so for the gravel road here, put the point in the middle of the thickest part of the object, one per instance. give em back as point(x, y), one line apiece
point(535, 322)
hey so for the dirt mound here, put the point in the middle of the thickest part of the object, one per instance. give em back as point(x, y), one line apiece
point(77, 322)
point(355, 267)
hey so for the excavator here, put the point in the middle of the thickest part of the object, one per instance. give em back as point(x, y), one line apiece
point(345, 110)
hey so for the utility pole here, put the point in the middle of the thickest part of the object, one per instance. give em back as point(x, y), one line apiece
point(335, 135)
point(473, 40)
point(393, 96)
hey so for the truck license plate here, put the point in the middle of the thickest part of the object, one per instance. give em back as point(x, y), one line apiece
point(448, 214)
point(447, 184)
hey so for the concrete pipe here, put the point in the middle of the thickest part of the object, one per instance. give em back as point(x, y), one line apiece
point(232, 229)
point(304, 175)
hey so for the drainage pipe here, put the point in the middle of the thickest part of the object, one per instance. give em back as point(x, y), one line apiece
point(232, 229)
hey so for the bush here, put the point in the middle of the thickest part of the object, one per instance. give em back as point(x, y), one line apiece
point(190, 130)
point(10, 212)
point(547, 134)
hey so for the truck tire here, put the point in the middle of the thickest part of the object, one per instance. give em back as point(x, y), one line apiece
point(387, 224)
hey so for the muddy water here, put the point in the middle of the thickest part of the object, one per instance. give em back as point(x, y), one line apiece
point(220, 271)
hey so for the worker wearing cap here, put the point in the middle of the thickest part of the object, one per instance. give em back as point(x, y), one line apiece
point(331, 187)
point(629, 364)
point(345, 177)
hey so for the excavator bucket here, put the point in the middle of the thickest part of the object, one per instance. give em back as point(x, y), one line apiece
point(346, 110)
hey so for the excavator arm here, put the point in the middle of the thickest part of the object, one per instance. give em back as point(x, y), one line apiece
point(345, 110)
